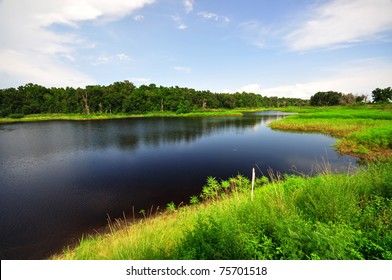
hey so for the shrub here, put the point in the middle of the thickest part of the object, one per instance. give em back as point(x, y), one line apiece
point(4, 113)
point(16, 116)
point(194, 200)
point(171, 206)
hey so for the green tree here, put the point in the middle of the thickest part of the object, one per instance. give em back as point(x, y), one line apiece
point(347, 99)
point(382, 95)
point(329, 98)
point(184, 107)
point(11, 101)
point(360, 98)
point(125, 97)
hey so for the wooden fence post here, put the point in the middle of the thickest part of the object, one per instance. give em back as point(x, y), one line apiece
point(253, 183)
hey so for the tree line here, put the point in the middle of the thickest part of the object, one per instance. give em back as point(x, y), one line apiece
point(125, 97)
point(333, 98)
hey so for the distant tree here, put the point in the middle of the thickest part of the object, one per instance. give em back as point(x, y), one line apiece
point(11, 101)
point(31, 98)
point(184, 107)
point(329, 98)
point(361, 98)
point(382, 95)
point(347, 99)
point(125, 97)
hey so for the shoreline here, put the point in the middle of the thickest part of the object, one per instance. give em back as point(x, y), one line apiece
point(93, 117)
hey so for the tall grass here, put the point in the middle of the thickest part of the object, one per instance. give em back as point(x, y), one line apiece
point(325, 217)
point(329, 216)
point(149, 238)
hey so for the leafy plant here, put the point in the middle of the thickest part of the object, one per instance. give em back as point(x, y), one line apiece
point(143, 212)
point(211, 189)
point(261, 181)
point(171, 207)
point(194, 200)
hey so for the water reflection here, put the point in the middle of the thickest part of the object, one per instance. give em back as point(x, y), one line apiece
point(60, 179)
point(155, 132)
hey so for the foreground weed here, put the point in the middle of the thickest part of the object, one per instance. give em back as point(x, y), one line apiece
point(194, 200)
point(171, 207)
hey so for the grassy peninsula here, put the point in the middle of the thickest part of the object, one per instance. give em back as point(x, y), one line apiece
point(363, 131)
point(103, 116)
point(328, 216)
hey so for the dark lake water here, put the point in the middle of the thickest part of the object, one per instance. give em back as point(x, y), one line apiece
point(61, 179)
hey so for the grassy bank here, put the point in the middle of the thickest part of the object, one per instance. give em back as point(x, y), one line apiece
point(329, 216)
point(365, 133)
point(81, 117)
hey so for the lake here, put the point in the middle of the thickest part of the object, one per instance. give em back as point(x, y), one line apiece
point(60, 179)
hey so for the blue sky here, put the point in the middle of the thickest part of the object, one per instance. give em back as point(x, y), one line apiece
point(275, 48)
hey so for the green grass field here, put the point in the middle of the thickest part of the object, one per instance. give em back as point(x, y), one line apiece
point(363, 132)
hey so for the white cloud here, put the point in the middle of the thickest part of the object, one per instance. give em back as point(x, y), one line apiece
point(188, 4)
point(180, 23)
point(213, 16)
point(358, 77)
point(138, 18)
point(182, 26)
point(35, 52)
point(254, 88)
point(103, 59)
point(69, 57)
point(255, 33)
point(18, 68)
point(73, 11)
point(140, 80)
point(183, 69)
point(122, 57)
point(340, 23)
